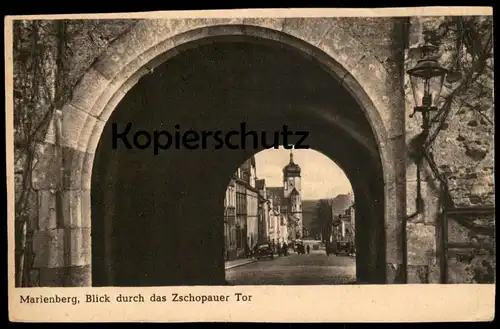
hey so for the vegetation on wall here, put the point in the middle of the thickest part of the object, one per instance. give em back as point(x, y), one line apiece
point(466, 50)
point(460, 147)
point(49, 58)
point(39, 75)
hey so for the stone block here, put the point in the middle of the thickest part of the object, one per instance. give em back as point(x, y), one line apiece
point(47, 214)
point(50, 134)
point(34, 278)
point(91, 126)
point(434, 274)
point(48, 246)
point(394, 273)
point(394, 241)
point(397, 147)
point(310, 29)
point(73, 162)
point(31, 208)
point(199, 35)
point(126, 78)
point(79, 276)
point(72, 208)
point(426, 173)
point(47, 171)
point(146, 34)
point(430, 201)
point(344, 49)
point(86, 178)
point(127, 48)
point(377, 82)
point(80, 246)
point(86, 208)
point(458, 268)
point(266, 22)
point(52, 277)
point(95, 137)
point(377, 33)
point(109, 107)
point(74, 121)
point(458, 233)
point(421, 244)
point(180, 26)
point(418, 274)
point(73, 276)
point(85, 94)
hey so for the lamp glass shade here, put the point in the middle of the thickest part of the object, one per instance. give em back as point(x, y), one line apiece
point(427, 79)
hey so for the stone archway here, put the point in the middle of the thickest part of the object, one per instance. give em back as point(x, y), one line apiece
point(151, 43)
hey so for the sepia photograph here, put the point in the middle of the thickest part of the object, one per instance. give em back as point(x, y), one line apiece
point(247, 150)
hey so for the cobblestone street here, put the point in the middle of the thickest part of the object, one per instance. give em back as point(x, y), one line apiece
point(315, 268)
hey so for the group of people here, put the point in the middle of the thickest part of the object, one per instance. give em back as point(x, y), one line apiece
point(299, 248)
point(283, 249)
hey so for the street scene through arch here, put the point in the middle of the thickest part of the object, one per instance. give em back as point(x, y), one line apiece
point(289, 219)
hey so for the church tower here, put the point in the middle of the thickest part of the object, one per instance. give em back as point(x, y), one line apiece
point(292, 194)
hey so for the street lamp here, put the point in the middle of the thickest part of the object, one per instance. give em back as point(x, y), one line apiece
point(426, 79)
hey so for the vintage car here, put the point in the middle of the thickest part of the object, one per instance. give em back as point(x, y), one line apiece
point(300, 249)
point(330, 248)
point(338, 247)
point(264, 251)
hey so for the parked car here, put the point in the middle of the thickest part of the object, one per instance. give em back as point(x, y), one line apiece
point(330, 248)
point(345, 247)
point(264, 251)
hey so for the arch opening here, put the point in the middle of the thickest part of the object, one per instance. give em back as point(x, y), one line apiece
point(289, 219)
point(156, 219)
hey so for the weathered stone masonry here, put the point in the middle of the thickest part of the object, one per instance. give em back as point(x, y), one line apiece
point(463, 151)
point(370, 57)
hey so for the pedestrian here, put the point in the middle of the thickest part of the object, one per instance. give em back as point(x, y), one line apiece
point(247, 250)
point(308, 249)
point(285, 249)
point(254, 250)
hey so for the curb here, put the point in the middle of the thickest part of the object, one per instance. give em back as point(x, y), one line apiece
point(246, 263)
point(240, 264)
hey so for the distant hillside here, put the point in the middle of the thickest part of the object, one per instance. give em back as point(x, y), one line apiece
point(340, 203)
point(308, 213)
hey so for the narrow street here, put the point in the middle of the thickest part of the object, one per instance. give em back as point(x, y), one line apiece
point(315, 268)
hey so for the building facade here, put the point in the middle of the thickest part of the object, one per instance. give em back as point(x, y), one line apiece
point(230, 221)
point(343, 228)
point(256, 214)
point(245, 207)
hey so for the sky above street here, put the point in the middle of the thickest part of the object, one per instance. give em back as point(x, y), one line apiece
point(321, 177)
